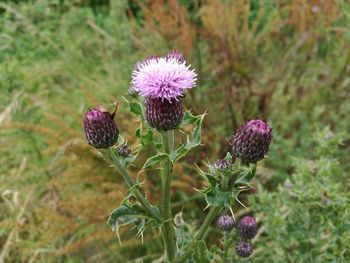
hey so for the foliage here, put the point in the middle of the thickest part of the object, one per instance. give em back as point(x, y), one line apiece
point(307, 218)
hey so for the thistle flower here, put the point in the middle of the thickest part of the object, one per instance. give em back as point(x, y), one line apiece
point(223, 164)
point(163, 77)
point(100, 130)
point(163, 114)
point(124, 150)
point(225, 223)
point(244, 249)
point(251, 142)
point(247, 227)
point(177, 55)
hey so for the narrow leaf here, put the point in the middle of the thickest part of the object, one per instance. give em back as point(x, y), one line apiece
point(155, 160)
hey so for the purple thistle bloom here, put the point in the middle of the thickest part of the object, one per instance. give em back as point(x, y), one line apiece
point(251, 142)
point(244, 249)
point(163, 77)
point(247, 227)
point(225, 223)
point(177, 55)
point(100, 130)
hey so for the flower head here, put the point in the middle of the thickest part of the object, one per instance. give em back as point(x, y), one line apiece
point(244, 249)
point(223, 164)
point(251, 142)
point(177, 55)
point(124, 150)
point(163, 77)
point(225, 223)
point(100, 129)
point(163, 114)
point(247, 227)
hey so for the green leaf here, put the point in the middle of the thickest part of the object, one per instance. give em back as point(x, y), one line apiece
point(183, 232)
point(211, 179)
point(124, 215)
point(125, 161)
point(228, 156)
point(193, 140)
point(147, 138)
point(155, 160)
point(217, 197)
point(202, 254)
point(189, 118)
point(136, 108)
point(247, 174)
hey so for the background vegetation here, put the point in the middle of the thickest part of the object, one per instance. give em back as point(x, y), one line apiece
point(286, 61)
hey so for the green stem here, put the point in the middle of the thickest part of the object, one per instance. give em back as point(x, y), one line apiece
point(140, 197)
point(226, 246)
point(212, 214)
point(168, 231)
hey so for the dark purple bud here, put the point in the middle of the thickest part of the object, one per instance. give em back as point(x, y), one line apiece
point(247, 227)
point(163, 114)
point(244, 249)
point(225, 223)
point(124, 150)
point(251, 142)
point(177, 55)
point(223, 164)
point(100, 130)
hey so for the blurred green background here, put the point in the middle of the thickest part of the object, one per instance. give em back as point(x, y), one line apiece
point(286, 61)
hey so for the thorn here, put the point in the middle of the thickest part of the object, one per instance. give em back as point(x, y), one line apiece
point(116, 105)
point(240, 203)
point(233, 215)
point(116, 229)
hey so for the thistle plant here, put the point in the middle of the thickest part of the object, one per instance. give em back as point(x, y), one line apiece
point(157, 87)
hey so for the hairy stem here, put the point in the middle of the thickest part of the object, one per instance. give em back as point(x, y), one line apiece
point(138, 195)
point(168, 231)
point(212, 214)
point(226, 246)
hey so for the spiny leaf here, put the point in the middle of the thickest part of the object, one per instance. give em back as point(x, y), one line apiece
point(145, 138)
point(155, 160)
point(135, 107)
point(124, 215)
point(217, 197)
point(193, 140)
point(211, 179)
point(228, 156)
point(247, 174)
